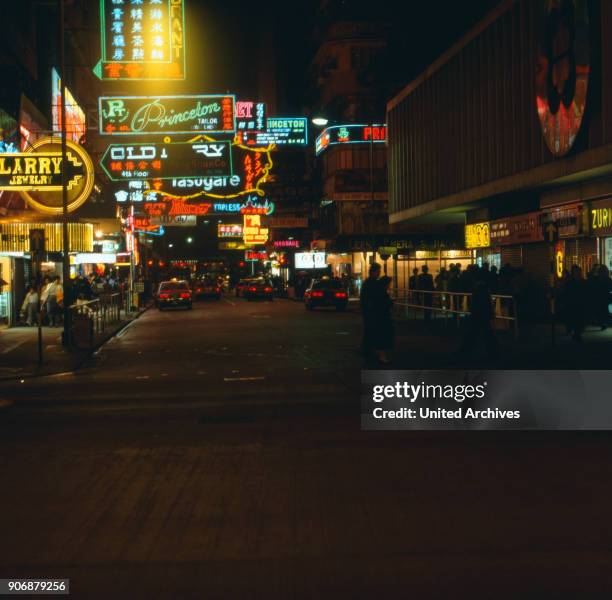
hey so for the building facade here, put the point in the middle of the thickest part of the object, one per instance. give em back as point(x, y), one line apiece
point(509, 134)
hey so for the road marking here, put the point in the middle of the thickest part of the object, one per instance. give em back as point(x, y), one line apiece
point(258, 378)
point(14, 346)
point(229, 302)
point(143, 377)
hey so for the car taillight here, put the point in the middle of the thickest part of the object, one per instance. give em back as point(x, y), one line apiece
point(218, 290)
point(340, 294)
point(164, 296)
point(268, 289)
point(252, 289)
point(317, 294)
point(185, 294)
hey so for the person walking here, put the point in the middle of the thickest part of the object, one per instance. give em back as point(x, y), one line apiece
point(603, 296)
point(425, 283)
point(369, 299)
point(385, 335)
point(29, 308)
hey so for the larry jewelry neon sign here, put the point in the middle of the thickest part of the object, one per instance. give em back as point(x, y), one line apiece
point(148, 115)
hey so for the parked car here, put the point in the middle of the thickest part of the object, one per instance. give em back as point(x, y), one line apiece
point(259, 288)
point(326, 292)
point(242, 285)
point(173, 294)
point(207, 288)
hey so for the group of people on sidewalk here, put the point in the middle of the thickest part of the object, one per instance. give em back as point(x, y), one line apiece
point(51, 303)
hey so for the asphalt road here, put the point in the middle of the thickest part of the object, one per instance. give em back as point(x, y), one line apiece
point(217, 453)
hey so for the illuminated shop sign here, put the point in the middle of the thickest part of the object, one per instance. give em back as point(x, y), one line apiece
point(232, 246)
point(142, 39)
point(252, 231)
point(600, 216)
point(570, 219)
point(75, 117)
point(250, 116)
point(280, 132)
point(286, 243)
point(310, 260)
point(175, 221)
point(477, 235)
point(9, 133)
point(350, 134)
point(227, 230)
point(167, 161)
point(186, 206)
point(93, 258)
point(517, 230)
point(254, 255)
point(37, 175)
point(147, 115)
point(15, 237)
point(562, 70)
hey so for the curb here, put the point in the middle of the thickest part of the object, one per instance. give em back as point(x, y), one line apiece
point(87, 354)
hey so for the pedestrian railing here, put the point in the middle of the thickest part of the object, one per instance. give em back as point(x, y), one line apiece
point(453, 305)
point(91, 318)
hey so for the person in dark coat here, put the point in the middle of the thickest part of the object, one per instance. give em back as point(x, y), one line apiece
point(602, 296)
point(385, 336)
point(479, 326)
point(369, 300)
point(575, 303)
point(425, 283)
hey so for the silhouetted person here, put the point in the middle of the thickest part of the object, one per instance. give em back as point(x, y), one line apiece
point(383, 307)
point(369, 299)
point(602, 296)
point(479, 326)
point(425, 283)
point(575, 303)
point(413, 285)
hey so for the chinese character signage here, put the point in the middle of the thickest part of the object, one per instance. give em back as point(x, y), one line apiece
point(252, 231)
point(167, 161)
point(75, 117)
point(189, 206)
point(250, 116)
point(477, 235)
point(350, 134)
point(227, 230)
point(142, 39)
point(142, 115)
point(279, 131)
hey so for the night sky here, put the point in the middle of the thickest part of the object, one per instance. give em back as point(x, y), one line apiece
point(224, 41)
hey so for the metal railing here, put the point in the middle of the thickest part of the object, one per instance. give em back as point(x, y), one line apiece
point(92, 317)
point(454, 304)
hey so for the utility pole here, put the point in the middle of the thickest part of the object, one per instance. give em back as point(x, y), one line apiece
point(67, 333)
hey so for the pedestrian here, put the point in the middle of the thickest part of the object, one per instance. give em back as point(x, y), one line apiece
point(53, 303)
point(385, 335)
point(574, 303)
point(413, 285)
point(29, 308)
point(602, 296)
point(425, 283)
point(369, 301)
point(479, 322)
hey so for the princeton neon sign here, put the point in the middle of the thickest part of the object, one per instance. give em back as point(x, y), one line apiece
point(150, 115)
point(350, 134)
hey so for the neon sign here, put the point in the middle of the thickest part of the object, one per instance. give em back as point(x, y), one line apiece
point(142, 39)
point(254, 255)
point(162, 161)
point(252, 231)
point(279, 131)
point(148, 115)
point(75, 117)
point(40, 170)
point(229, 230)
point(286, 243)
point(250, 116)
point(350, 134)
point(478, 235)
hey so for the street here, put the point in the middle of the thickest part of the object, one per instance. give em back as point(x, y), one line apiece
point(217, 453)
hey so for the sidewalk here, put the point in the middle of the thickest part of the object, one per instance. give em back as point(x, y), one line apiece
point(19, 350)
point(437, 346)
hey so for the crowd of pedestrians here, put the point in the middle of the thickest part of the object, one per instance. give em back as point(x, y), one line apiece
point(51, 304)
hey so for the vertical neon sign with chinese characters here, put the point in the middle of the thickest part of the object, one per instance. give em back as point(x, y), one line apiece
point(142, 39)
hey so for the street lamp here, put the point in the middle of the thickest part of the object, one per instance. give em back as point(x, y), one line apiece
point(170, 245)
point(320, 121)
point(189, 240)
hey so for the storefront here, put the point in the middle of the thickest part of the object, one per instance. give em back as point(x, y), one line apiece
point(600, 224)
point(16, 260)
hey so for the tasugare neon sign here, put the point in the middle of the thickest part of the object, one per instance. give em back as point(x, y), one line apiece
point(350, 134)
point(155, 115)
